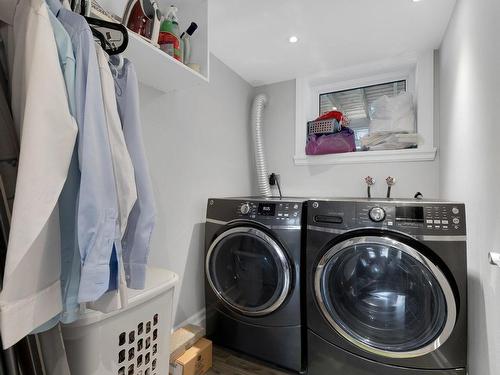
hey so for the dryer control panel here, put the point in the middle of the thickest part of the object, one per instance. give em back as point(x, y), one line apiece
point(278, 212)
point(268, 212)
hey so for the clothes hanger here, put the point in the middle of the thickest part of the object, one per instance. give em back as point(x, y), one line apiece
point(102, 40)
point(99, 28)
point(116, 64)
point(121, 62)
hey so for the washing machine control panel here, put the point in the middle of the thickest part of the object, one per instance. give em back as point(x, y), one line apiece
point(426, 218)
point(444, 218)
point(407, 216)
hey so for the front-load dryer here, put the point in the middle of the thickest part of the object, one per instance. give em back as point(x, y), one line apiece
point(386, 287)
point(253, 278)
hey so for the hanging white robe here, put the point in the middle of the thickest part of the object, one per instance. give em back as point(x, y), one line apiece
point(31, 292)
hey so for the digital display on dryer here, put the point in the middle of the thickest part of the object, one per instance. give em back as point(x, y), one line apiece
point(267, 209)
point(409, 213)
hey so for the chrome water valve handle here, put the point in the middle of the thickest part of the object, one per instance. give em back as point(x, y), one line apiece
point(391, 181)
point(370, 181)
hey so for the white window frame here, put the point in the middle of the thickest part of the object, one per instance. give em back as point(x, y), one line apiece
point(418, 71)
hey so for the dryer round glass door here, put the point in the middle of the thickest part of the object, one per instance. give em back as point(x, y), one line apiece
point(249, 271)
point(385, 297)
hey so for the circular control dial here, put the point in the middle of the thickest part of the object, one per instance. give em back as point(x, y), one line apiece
point(245, 208)
point(377, 214)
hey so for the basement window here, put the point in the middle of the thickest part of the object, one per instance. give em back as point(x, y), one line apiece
point(355, 103)
point(352, 91)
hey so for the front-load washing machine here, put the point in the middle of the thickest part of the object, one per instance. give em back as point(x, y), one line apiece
point(253, 287)
point(386, 287)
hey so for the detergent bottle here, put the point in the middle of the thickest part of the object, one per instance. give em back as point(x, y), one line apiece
point(169, 39)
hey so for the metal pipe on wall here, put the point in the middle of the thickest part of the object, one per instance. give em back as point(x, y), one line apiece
point(259, 103)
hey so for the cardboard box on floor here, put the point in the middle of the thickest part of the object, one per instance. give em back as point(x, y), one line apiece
point(183, 338)
point(197, 360)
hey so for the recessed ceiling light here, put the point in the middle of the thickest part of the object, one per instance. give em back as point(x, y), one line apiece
point(416, 1)
point(293, 39)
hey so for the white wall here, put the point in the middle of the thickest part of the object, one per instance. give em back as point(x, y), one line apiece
point(470, 161)
point(332, 180)
point(197, 145)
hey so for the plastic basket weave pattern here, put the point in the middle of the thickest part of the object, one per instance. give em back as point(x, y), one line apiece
point(132, 341)
point(318, 127)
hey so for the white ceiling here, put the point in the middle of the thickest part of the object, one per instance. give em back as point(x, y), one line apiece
point(251, 36)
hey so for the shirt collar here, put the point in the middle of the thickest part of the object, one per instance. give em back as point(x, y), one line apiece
point(54, 5)
point(7, 10)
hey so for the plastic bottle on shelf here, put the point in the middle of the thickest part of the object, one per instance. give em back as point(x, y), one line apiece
point(169, 39)
point(186, 42)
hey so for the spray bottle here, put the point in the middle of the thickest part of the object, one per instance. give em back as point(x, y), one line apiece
point(186, 42)
point(169, 39)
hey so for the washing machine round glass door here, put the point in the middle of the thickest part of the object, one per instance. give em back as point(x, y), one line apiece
point(385, 297)
point(248, 271)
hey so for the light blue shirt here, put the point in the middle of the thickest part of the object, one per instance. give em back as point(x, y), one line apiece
point(70, 259)
point(141, 221)
point(97, 207)
point(66, 58)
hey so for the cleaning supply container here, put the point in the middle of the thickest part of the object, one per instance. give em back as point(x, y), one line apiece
point(169, 38)
point(131, 341)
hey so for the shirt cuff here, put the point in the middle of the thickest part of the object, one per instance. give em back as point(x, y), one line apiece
point(94, 282)
point(18, 318)
point(136, 275)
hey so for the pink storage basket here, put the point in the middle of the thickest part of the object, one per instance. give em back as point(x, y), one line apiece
point(336, 143)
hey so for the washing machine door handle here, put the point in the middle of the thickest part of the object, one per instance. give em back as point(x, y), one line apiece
point(371, 276)
point(250, 263)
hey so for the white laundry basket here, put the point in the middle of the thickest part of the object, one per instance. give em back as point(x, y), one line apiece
point(132, 341)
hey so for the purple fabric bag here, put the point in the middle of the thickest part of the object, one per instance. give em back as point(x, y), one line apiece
point(336, 143)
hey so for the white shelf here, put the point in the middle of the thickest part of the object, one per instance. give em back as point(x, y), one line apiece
point(385, 156)
point(159, 70)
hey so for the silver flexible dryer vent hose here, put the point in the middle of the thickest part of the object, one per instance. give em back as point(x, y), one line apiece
point(260, 160)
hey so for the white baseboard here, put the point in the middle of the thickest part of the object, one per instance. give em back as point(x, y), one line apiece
point(197, 318)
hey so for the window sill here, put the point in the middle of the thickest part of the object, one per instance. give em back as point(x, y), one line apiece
point(361, 157)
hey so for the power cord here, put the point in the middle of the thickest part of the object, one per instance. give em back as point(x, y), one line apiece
point(275, 180)
point(279, 187)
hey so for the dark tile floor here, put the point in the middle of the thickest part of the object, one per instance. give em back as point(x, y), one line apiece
point(230, 363)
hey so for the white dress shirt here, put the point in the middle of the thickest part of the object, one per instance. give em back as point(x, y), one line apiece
point(122, 164)
point(142, 218)
point(125, 183)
